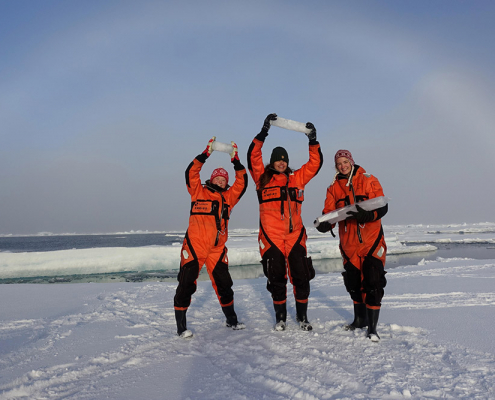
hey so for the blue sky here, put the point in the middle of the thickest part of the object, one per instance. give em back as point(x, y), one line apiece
point(104, 104)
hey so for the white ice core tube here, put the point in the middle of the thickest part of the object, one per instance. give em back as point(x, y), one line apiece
point(223, 147)
point(291, 125)
point(341, 213)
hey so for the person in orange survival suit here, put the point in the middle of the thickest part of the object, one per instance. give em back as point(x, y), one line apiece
point(204, 242)
point(282, 236)
point(362, 243)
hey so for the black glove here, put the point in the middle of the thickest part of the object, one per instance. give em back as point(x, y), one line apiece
point(311, 135)
point(324, 227)
point(361, 216)
point(266, 123)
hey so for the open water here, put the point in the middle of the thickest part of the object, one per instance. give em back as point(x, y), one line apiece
point(21, 244)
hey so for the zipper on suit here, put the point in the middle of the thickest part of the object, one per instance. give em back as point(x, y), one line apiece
point(357, 223)
point(288, 203)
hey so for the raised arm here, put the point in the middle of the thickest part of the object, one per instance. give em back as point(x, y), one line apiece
point(254, 156)
point(309, 170)
point(193, 178)
point(237, 190)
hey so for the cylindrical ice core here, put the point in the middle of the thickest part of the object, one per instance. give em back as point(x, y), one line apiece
point(341, 213)
point(223, 147)
point(291, 125)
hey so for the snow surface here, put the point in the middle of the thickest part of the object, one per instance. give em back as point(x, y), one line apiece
point(118, 341)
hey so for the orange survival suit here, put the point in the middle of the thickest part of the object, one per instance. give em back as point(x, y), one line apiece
point(207, 233)
point(282, 236)
point(362, 246)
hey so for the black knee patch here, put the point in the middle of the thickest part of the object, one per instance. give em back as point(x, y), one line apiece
point(301, 271)
point(374, 280)
point(187, 287)
point(374, 274)
point(273, 264)
point(301, 266)
point(310, 270)
point(189, 272)
point(274, 269)
point(352, 281)
point(224, 283)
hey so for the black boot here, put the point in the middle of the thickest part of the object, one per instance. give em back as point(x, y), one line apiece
point(302, 317)
point(231, 316)
point(360, 320)
point(280, 316)
point(372, 323)
point(180, 318)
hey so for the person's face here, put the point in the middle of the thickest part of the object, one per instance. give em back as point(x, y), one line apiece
point(343, 165)
point(280, 166)
point(219, 181)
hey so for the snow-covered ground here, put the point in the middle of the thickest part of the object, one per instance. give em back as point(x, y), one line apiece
point(118, 341)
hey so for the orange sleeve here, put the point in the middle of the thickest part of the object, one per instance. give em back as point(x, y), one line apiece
point(329, 201)
point(373, 188)
point(237, 190)
point(193, 179)
point(255, 160)
point(309, 170)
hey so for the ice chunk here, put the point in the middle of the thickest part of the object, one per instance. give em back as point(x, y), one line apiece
point(291, 125)
point(341, 213)
point(223, 147)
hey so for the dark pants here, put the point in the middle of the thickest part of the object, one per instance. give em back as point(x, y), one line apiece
point(365, 284)
point(299, 268)
point(217, 266)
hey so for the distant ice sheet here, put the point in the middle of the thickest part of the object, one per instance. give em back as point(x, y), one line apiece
point(242, 245)
point(243, 251)
point(453, 233)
